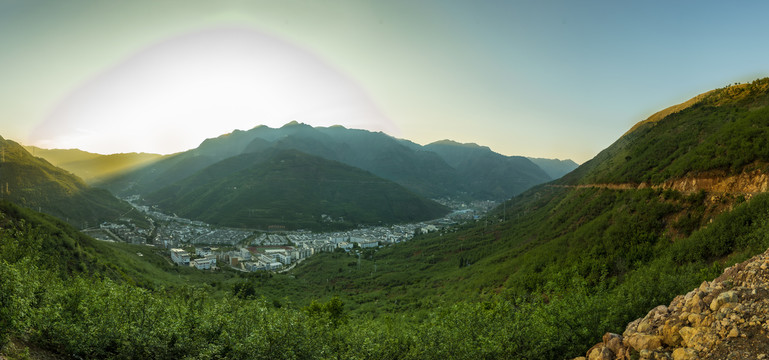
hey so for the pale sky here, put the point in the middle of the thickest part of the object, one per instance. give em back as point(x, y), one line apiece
point(557, 79)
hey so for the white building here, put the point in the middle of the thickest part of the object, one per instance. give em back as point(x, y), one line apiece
point(180, 257)
point(203, 264)
point(204, 251)
point(369, 244)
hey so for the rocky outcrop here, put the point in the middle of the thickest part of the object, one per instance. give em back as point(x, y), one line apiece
point(746, 183)
point(727, 318)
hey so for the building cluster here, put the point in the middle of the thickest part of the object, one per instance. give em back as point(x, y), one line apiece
point(205, 258)
point(126, 232)
point(273, 250)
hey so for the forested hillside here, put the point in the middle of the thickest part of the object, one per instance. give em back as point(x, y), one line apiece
point(295, 190)
point(33, 182)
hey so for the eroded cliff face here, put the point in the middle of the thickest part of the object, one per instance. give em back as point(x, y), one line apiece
point(745, 183)
point(748, 183)
point(727, 318)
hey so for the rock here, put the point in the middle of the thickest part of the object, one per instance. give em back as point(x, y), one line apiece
point(613, 342)
point(631, 328)
point(600, 353)
point(685, 354)
point(694, 319)
point(644, 342)
point(723, 298)
point(698, 338)
point(670, 335)
point(644, 326)
point(657, 313)
point(729, 315)
point(695, 304)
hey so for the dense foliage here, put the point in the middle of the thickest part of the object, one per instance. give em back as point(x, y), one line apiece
point(85, 316)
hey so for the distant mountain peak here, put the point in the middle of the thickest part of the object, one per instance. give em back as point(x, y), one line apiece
point(455, 143)
point(293, 123)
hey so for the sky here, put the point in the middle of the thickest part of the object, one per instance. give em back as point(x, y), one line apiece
point(555, 79)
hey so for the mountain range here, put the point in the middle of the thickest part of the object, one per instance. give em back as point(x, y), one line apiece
point(392, 177)
point(430, 170)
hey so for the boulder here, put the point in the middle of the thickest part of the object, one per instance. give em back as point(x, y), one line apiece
point(685, 354)
point(644, 342)
point(723, 298)
point(699, 339)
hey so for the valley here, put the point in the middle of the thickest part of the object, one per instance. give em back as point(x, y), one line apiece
point(543, 274)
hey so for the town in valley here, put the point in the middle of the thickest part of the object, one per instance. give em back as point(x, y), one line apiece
point(208, 247)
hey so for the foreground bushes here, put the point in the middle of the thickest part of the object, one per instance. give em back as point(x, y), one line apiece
point(99, 318)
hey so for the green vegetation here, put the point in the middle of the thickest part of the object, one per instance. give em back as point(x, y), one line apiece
point(90, 167)
point(33, 182)
point(292, 189)
point(79, 311)
point(725, 133)
point(542, 277)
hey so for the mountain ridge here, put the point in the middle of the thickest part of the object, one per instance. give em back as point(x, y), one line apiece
point(404, 162)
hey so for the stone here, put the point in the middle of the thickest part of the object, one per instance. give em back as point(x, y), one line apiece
point(695, 304)
point(694, 319)
point(600, 353)
point(644, 342)
point(684, 354)
point(614, 344)
point(723, 298)
point(698, 338)
point(631, 328)
point(644, 326)
point(670, 335)
point(657, 313)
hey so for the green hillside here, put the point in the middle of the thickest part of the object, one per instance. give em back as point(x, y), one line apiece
point(33, 182)
point(294, 190)
point(723, 132)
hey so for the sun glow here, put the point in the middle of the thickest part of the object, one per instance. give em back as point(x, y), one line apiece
point(174, 94)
